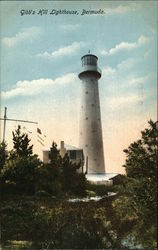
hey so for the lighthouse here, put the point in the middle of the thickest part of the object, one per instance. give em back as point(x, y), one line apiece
point(90, 137)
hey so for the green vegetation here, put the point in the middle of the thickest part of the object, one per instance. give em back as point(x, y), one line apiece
point(36, 213)
point(99, 190)
point(3, 154)
point(138, 191)
point(23, 173)
point(21, 144)
point(19, 166)
point(52, 224)
point(60, 176)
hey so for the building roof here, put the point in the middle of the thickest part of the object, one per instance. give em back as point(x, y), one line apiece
point(67, 146)
point(100, 177)
point(89, 55)
point(70, 147)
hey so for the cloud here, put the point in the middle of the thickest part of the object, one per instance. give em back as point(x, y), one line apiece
point(121, 9)
point(108, 71)
point(104, 52)
point(69, 27)
point(125, 46)
point(127, 64)
point(147, 54)
point(135, 81)
point(122, 83)
point(118, 10)
point(125, 101)
point(63, 51)
point(122, 77)
point(24, 34)
point(34, 87)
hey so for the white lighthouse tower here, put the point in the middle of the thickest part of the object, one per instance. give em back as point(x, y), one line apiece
point(90, 138)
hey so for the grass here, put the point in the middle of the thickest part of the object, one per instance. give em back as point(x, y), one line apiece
point(30, 222)
point(16, 245)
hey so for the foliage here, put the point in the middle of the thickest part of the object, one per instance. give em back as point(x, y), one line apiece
point(142, 155)
point(24, 173)
point(100, 190)
point(16, 245)
point(3, 154)
point(19, 171)
point(141, 167)
point(125, 221)
point(21, 143)
point(18, 174)
point(71, 179)
point(60, 175)
point(46, 180)
point(58, 224)
point(138, 192)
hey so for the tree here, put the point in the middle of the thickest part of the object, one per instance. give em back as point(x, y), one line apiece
point(19, 171)
point(141, 166)
point(55, 162)
point(72, 180)
point(139, 191)
point(49, 175)
point(60, 175)
point(142, 155)
point(21, 143)
point(19, 174)
point(3, 154)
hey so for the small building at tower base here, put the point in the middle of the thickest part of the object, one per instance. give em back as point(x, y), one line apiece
point(75, 154)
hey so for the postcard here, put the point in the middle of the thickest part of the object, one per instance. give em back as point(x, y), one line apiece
point(82, 74)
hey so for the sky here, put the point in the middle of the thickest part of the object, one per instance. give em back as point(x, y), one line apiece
point(41, 60)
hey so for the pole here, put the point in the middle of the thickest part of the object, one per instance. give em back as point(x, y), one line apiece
point(15, 120)
point(82, 161)
point(4, 128)
point(86, 165)
point(7, 119)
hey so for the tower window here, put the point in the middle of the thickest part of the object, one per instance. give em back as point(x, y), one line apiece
point(86, 118)
point(89, 60)
point(86, 92)
point(86, 145)
point(92, 104)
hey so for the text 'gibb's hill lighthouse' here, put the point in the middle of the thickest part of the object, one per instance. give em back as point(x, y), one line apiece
point(90, 138)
